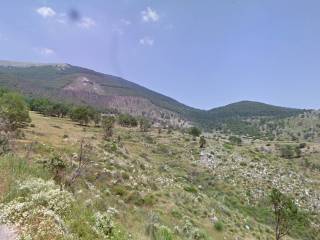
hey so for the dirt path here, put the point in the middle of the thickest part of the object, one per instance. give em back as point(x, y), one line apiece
point(7, 233)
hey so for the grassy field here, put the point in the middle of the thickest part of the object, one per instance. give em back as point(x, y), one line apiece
point(156, 185)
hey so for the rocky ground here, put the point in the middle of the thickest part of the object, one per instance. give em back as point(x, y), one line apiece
point(160, 181)
point(8, 233)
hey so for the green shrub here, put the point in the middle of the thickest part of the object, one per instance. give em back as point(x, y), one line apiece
point(126, 120)
point(190, 189)
point(218, 226)
point(287, 151)
point(119, 190)
point(235, 140)
point(194, 131)
point(164, 233)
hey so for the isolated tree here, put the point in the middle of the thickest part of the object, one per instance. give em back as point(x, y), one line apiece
point(202, 142)
point(194, 131)
point(14, 110)
point(144, 124)
point(82, 115)
point(108, 125)
point(287, 151)
point(285, 213)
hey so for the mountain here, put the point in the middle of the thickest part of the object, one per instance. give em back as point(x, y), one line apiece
point(84, 86)
point(251, 109)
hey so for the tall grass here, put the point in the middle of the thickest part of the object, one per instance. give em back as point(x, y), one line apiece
point(14, 168)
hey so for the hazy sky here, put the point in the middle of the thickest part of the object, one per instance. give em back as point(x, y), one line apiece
point(203, 53)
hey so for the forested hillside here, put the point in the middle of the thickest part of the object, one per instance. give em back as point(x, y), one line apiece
point(64, 82)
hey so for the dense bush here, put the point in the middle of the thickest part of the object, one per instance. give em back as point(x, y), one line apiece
point(49, 108)
point(218, 226)
point(126, 120)
point(83, 115)
point(235, 140)
point(289, 151)
point(194, 131)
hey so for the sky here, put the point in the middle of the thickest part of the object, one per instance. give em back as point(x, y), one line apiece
point(204, 53)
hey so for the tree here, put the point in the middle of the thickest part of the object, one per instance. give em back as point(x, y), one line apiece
point(48, 108)
point(96, 117)
point(108, 125)
point(59, 110)
point(144, 124)
point(202, 142)
point(126, 120)
point(194, 131)
point(285, 213)
point(82, 115)
point(287, 151)
point(235, 140)
point(14, 110)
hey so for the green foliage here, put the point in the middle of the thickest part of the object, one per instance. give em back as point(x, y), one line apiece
point(218, 226)
point(240, 127)
point(82, 115)
point(235, 140)
point(57, 166)
point(287, 151)
point(156, 231)
point(190, 189)
point(248, 109)
point(285, 213)
point(194, 131)
point(127, 120)
point(106, 227)
point(164, 233)
point(290, 151)
point(49, 108)
point(108, 125)
point(144, 124)
point(190, 231)
point(14, 111)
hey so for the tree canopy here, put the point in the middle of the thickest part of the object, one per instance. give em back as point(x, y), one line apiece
point(14, 110)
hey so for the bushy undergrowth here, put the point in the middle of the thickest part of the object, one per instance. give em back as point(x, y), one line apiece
point(38, 209)
point(42, 211)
